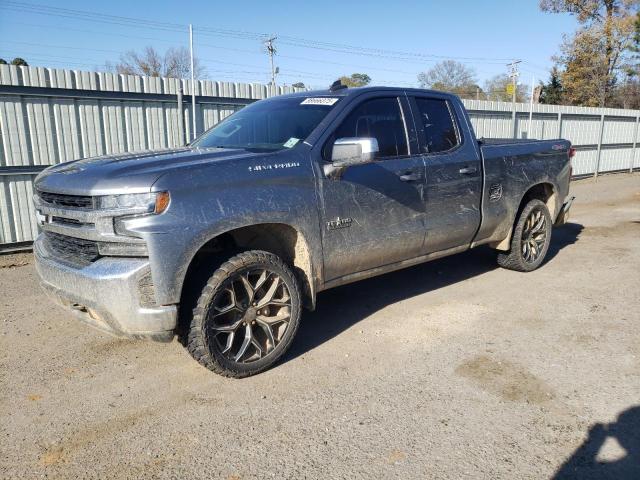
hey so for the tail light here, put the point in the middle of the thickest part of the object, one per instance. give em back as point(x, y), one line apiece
point(571, 153)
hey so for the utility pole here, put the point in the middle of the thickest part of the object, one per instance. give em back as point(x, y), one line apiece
point(271, 50)
point(513, 73)
point(193, 84)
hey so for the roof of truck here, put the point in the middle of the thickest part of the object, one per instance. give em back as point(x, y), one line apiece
point(344, 92)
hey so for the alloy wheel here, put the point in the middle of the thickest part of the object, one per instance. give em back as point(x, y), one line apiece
point(249, 316)
point(534, 236)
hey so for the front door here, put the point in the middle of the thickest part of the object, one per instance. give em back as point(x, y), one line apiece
point(374, 214)
point(453, 175)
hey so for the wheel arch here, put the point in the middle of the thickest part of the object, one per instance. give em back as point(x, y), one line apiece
point(545, 191)
point(281, 239)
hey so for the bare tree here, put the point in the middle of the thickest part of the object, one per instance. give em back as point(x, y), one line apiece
point(175, 63)
point(451, 76)
point(496, 88)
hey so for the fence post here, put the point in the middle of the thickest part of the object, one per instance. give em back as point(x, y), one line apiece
point(635, 144)
point(180, 117)
point(599, 153)
point(559, 125)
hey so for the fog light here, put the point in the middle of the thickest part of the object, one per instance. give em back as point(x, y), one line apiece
point(119, 249)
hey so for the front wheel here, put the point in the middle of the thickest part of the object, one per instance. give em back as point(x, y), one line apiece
point(530, 240)
point(247, 315)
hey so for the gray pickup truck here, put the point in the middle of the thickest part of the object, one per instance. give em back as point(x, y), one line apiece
point(224, 241)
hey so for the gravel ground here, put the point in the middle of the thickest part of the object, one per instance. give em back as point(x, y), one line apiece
point(452, 369)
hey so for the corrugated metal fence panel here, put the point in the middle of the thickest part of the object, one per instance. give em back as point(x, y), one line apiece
point(14, 141)
point(213, 114)
point(17, 222)
point(615, 158)
point(543, 126)
point(619, 130)
point(491, 124)
point(585, 161)
point(47, 128)
point(583, 130)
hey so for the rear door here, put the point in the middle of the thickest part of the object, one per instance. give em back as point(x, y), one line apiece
point(453, 173)
point(374, 214)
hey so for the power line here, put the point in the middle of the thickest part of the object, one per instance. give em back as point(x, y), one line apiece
point(296, 42)
point(289, 40)
point(231, 49)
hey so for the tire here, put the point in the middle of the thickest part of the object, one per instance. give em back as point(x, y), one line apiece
point(529, 246)
point(248, 296)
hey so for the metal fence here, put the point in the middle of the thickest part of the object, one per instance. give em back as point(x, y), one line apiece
point(606, 139)
point(48, 116)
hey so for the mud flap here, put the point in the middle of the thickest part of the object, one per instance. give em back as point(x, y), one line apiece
point(563, 217)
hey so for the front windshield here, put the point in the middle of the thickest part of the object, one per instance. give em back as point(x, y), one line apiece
point(270, 125)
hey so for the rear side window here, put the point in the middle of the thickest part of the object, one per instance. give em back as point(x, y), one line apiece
point(381, 119)
point(437, 123)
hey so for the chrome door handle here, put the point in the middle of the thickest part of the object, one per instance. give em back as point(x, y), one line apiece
point(410, 177)
point(468, 170)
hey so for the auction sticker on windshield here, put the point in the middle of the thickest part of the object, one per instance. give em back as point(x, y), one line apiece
point(319, 101)
point(291, 142)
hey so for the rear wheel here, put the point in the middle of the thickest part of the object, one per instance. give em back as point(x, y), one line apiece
point(246, 316)
point(530, 240)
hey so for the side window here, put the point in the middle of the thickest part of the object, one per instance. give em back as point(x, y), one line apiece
point(380, 118)
point(437, 123)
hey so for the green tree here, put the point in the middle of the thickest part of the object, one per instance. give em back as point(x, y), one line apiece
point(19, 62)
point(635, 47)
point(552, 91)
point(356, 80)
point(450, 76)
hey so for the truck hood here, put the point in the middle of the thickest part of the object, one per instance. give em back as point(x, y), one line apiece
point(131, 172)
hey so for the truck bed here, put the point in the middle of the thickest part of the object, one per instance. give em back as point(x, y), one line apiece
point(511, 167)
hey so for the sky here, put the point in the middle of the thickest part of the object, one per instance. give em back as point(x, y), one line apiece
point(318, 41)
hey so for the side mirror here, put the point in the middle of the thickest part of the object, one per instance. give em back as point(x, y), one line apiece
point(351, 151)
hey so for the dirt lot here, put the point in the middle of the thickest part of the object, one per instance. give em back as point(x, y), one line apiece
point(453, 369)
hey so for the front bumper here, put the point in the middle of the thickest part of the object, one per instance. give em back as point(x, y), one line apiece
point(106, 294)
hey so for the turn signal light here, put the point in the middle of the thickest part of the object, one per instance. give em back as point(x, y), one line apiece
point(162, 202)
point(571, 152)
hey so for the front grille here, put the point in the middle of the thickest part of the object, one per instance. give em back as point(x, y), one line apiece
point(60, 200)
point(74, 251)
point(72, 222)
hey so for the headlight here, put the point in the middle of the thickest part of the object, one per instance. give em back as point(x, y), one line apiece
point(140, 202)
